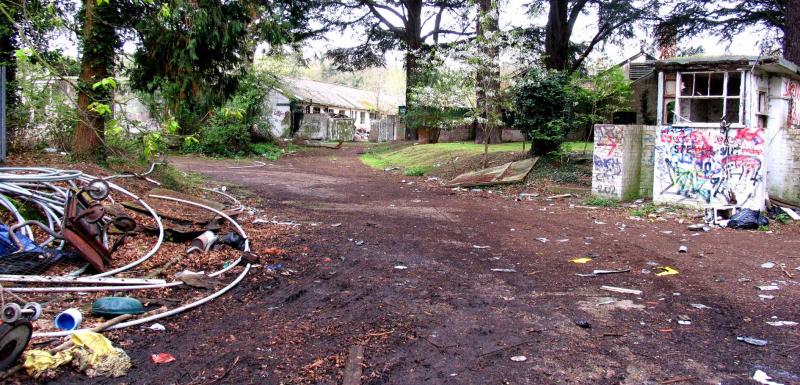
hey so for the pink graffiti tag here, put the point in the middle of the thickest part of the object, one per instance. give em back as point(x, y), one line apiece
point(754, 135)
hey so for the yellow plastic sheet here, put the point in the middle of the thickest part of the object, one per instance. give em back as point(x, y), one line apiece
point(666, 270)
point(92, 353)
point(581, 260)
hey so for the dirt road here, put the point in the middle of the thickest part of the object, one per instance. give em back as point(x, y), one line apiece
point(445, 287)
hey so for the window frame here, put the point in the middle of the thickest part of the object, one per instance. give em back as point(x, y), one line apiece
point(679, 97)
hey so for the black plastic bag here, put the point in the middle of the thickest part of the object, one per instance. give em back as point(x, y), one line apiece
point(748, 219)
point(233, 240)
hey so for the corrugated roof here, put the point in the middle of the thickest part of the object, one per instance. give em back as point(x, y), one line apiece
point(768, 63)
point(337, 95)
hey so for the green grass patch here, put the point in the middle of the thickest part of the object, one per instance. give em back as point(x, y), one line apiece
point(577, 147)
point(600, 202)
point(415, 171)
point(644, 210)
point(783, 218)
point(427, 156)
point(174, 179)
point(763, 228)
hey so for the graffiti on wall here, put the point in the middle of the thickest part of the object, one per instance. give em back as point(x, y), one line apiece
point(607, 160)
point(792, 91)
point(698, 165)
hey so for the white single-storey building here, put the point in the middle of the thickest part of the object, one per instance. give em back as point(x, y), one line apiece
point(297, 98)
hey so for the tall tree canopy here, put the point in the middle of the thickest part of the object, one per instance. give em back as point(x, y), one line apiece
point(617, 20)
point(728, 19)
point(195, 52)
point(414, 26)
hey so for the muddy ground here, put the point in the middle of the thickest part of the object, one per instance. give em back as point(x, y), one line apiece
point(390, 262)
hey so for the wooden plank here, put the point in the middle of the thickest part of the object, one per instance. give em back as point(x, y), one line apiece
point(621, 290)
point(352, 370)
point(791, 213)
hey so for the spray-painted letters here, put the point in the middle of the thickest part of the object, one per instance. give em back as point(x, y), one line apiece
point(607, 169)
point(698, 165)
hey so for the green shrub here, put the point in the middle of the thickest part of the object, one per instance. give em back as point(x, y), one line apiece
point(543, 104)
point(600, 202)
point(783, 218)
point(415, 171)
point(644, 210)
point(267, 150)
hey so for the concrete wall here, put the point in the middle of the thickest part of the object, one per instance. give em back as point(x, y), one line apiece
point(617, 161)
point(783, 141)
point(279, 110)
point(696, 167)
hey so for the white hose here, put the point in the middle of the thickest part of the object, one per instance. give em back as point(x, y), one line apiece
point(165, 314)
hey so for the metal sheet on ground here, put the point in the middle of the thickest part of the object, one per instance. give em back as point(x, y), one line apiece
point(508, 173)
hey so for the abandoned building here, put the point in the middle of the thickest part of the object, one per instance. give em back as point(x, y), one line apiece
point(711, 132)
point(326, 111)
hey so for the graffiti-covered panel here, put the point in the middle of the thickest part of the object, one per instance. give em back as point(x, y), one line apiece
point(792, 92)
point(607, 178)
point(701, 167)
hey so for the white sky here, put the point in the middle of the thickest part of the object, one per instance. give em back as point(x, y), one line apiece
point(513, 14)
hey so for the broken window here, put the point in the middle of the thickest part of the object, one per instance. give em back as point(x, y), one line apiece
point(708, 97)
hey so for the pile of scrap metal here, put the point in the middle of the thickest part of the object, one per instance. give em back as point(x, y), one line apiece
point(74, 223)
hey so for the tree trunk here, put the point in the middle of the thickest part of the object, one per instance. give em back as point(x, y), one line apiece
point(8, 48)
point(791, 33)
point(414, 47)
point(488, 76)
point(557, 36)
point(99, 47)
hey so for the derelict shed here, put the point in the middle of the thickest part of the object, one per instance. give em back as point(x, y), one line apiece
point(689, 157)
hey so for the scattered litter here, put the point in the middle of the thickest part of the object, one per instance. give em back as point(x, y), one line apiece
point(767, 265)
point(747, 219)
point(336, 225)
point(559, 196)
point(114, 306)
point(783, 269)
point(766, 296)
point(768, 287)
point(91, 353)
point(699, 306)
point(479, 247)
point(504, 270)
point(752, 341)
point(601, 272)
point(621, 290)
point(782, 323)
point(762, 378)
point(562, 240)
point(682, 322)
point(666, 270)
point(359, 243)
point(581, 260)
point(683, 249)
point(68, 319)
point(583, 323)
point(157, 327)
point(599, 222)
point(388, 169)
point(543, 240)
point(519, 358)
point(162, 358)
point(275, 267)
point(699, 227)
point(667, 232)
point(401, 267)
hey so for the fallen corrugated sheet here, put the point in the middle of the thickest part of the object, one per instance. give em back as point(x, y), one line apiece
point(508, 173)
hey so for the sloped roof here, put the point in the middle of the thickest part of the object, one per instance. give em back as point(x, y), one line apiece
point(768, 63)
point(336, 95)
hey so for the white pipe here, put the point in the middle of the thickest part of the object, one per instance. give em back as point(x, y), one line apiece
point(220, 213)
point(155, 247)
point(254, 165)
point(81, 289)
point(86, 280)
point(160, 315)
